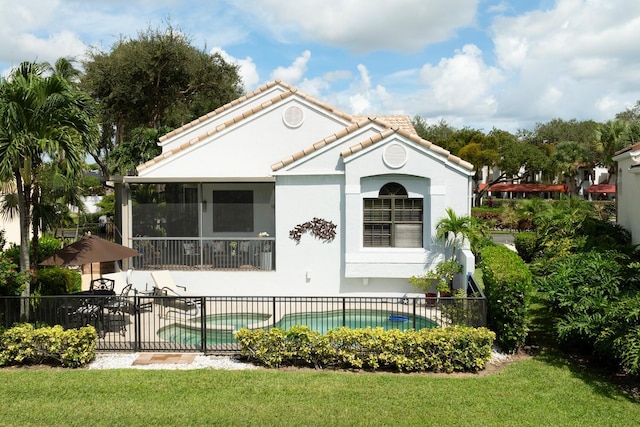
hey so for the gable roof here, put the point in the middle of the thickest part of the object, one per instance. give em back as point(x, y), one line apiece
point(240, 117)
point(390, 123)
point(633, 147)
point(387, 131)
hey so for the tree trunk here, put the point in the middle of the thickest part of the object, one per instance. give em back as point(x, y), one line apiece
point(25, 215)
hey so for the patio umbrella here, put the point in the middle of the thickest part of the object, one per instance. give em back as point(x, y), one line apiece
point(88, 250)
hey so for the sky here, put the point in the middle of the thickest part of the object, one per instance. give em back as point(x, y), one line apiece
point(472, 63)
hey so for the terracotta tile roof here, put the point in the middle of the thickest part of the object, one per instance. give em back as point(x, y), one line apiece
point(247, 113)
point(396, 120)
point(318, 145)
point(387, 131)
point(602, 188)
point(633, 147)
point(527, 188)
point(219, 110)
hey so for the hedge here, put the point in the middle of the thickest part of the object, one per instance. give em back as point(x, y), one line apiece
point(508, 284)
point(24, 344)
point(452, 349)
point(57, 280)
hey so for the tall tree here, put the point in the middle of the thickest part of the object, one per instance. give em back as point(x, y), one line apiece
point(610, 137)
point(440, 134)
point(43, 118)
point(569, 156)
point(158, 79)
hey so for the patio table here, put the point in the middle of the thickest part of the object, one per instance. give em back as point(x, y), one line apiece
point(90, 310)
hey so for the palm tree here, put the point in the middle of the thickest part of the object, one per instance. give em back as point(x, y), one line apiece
point(529, 210)
point(611, 137)
point(455, 229)
point(43, 118)
point(568, 157)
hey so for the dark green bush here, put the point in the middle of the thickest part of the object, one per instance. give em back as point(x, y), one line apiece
point(596, 305)
point(453, 349)
point(527, 245)
point(507, 281)
point(56, 280)
point(24, 344)
point(47, 246)
point(620, 335)
point(11, 280)
point(604, 235)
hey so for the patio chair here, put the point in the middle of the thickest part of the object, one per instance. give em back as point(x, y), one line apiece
point(191, 254)
point(171, 301)
point(117, 307)
point(78, 312)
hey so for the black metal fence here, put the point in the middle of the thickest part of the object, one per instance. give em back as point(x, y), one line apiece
point(153, 322)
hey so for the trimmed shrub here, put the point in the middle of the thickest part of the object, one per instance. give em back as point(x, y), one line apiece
point(507, 281)
point(57, 280)
point(24, 344)
point(453, 349)
point(527, 245)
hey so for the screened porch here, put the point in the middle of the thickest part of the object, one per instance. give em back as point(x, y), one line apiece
point(210, 226)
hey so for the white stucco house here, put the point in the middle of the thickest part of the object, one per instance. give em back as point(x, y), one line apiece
point(280, 194)
point(628, 190)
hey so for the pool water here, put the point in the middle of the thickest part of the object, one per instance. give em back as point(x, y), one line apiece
point(321, 322)
point(191, 334)
point(354, 319)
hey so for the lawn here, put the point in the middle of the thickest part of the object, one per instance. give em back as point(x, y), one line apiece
point(545, 391)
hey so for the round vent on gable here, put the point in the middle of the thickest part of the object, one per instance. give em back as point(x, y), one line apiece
point(395, 156)
point(293, 116)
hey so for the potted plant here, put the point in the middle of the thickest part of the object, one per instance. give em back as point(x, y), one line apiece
point(441, 278)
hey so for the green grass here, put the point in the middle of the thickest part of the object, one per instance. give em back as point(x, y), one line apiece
point(542, 391)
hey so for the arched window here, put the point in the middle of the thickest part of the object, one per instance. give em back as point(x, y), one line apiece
point(392, 219)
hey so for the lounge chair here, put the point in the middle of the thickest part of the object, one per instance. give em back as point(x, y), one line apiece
point(172, 303)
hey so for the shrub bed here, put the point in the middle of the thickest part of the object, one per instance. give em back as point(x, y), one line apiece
point(508, 284)
point(24, 344)
point(453, 349)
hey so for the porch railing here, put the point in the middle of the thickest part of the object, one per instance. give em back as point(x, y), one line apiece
point(204, 253)
point(154, 322)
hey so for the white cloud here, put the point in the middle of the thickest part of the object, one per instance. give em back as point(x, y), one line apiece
point(363, 97)
point(246, 68)
point(293, 73)
point(462, 83)
point(566, 61)
point(362, 25)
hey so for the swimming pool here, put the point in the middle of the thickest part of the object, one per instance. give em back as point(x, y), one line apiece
point(221, 328)
point(354, 319)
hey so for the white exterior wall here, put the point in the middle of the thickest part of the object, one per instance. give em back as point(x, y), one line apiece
point(628, 195)
point(217, 119)
point(424, 175)
point(11, 229)
point(249, 148)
